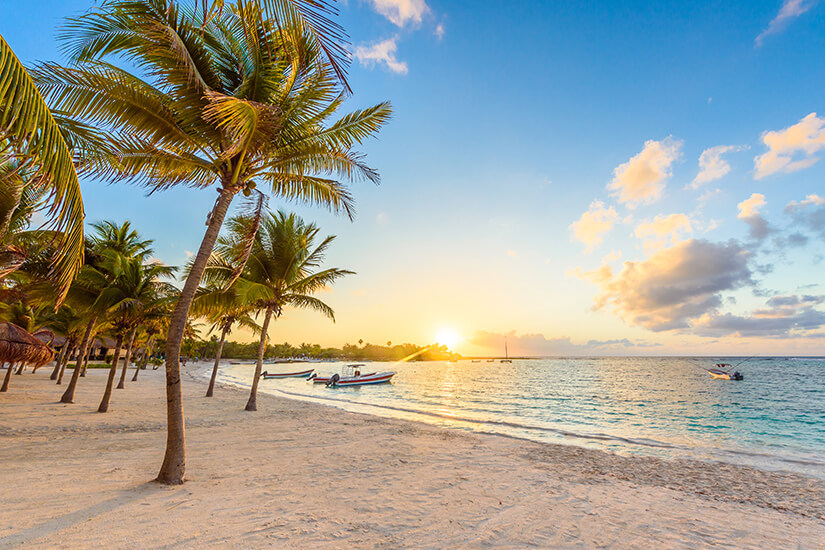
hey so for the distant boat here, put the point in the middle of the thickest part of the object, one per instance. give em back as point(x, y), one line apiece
point(301, 374)
point(476, 361)
point(720, 373)
point(506, 354)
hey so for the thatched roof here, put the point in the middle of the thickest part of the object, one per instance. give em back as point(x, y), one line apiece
point(17, 345)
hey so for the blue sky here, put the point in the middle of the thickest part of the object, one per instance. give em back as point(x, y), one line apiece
point(512, 120)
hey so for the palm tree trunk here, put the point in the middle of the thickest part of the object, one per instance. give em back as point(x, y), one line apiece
point(174, 460)
point(59, 360)
point(143, 360)
point(87, 357)
point(68, 395)
point(104, 403)
point(252, 405)
point(122, 383)
point(20, 368)
point(211, 388)
point(63, 366)
point(7, 378)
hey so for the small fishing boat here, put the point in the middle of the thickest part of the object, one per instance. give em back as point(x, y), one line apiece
point(351, 376)
point(300, 374)
point(722, 372)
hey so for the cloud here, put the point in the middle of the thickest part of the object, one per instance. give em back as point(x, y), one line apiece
point(401, 12)
point(439, 31)
point(382, 219)
point(656, 234)
point(641, 179)
point(809, 214)
point(790, 9)
point(512, 253)
point(593, 224)
point(712, 166)
point(188, 253)
point(803, 139)
point(749, 213)
point(673, 286)
point(789, 315)
point(381, 52)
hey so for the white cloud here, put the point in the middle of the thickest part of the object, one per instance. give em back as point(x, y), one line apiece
point(401, 12)
point(750, 206)
point(593, 224)
point(674, 286)
point(188, 253)
point(662, 229)
point(805, 138)
point(381, 52)
point(439, 31)
point(749, 213)
point(712, 166)
point(790, 9)
point(641, 179)
point(809, 214)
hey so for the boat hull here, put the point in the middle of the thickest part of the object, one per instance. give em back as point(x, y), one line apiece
point(368, 380)
point(325, 379)
point(301, 374)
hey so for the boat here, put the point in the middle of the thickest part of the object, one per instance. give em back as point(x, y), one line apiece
point(351, 376)
point(722, 372)
point(506, 354)
point(476, 360)
point(300, 374)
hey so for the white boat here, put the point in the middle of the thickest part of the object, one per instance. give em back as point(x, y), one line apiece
point(720, 374)
point(351, 376)
point(299, 374)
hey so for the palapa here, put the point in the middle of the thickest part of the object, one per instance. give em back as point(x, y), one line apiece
point(18, 346)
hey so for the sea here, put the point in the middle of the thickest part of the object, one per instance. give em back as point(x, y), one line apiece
point(774, 419)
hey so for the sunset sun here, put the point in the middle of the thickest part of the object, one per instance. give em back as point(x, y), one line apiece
point(448, 337)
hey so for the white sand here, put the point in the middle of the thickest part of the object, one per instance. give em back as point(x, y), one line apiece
point(299, 475)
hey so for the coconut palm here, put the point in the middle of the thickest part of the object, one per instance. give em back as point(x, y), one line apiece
point(136, 288)
point(32, 141)
point(232, 97)
point(94, 292)
point(223, 308)
point(282, 271)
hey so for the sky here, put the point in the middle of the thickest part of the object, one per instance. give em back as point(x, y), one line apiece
point(599, 178)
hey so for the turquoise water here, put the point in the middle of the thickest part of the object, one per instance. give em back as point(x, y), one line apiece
point(774, 419)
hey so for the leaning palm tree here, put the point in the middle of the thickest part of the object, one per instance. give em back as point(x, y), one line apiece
point(241, 97)
point(282, 271)
point(93, 292)
point(223, 308)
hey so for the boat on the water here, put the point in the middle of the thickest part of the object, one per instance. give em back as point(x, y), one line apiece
point(351, 376)
point(506, 353)
point(300, 374)
point(722, 372)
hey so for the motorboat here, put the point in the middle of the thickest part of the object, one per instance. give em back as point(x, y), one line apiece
point(722, 372)
point(299, 374)
point(351, 375)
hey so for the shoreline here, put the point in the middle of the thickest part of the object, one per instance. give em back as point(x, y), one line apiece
point(298, 475)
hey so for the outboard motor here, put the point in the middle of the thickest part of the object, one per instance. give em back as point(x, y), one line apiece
point(264, 373)
point(737, 376)
point(333, 381)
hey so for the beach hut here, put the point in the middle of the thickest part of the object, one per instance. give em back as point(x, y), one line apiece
point(18, 346)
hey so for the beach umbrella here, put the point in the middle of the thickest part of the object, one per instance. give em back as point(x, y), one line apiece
point(18, 346)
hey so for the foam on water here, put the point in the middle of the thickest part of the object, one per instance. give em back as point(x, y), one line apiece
point(774, 419)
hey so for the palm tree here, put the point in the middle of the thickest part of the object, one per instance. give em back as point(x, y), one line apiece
point(36, 147)
point(223, 308)
point(136, 287)
point(94, 292)
point(281, 272)
point(239, 96)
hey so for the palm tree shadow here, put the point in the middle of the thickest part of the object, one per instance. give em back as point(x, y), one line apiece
point(54, 525)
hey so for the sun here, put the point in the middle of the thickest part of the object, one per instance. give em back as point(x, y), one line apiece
point(448, 337)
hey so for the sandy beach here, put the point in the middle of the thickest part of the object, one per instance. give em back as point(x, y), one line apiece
point(300, 475)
